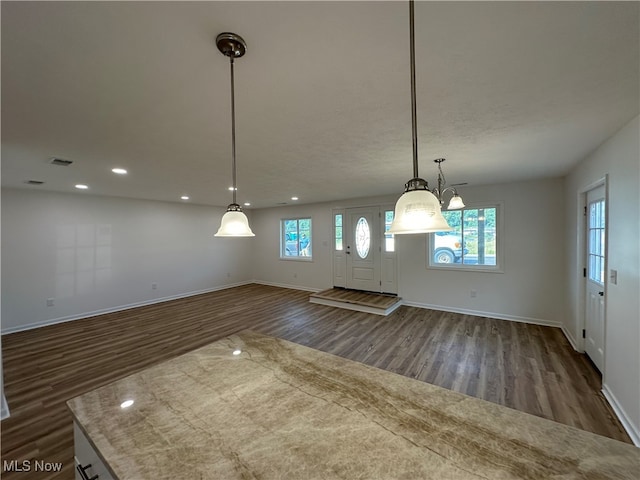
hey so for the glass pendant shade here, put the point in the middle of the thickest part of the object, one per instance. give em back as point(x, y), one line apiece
point(456, 203)
point(234, 224)
point(418, 211)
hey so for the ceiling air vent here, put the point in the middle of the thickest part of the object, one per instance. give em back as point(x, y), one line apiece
point(33, 182)
point(60, 161)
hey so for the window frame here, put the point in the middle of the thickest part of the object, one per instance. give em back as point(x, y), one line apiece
point(335, 214)
point(598, 232)
point(283, 239)
point(497, 268)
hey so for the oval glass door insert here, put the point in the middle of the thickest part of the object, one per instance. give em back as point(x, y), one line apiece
point(363, 237)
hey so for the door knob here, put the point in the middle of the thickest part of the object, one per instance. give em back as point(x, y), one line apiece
point(601, 294)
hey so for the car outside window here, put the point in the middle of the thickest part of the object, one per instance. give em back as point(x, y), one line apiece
point(474, 242)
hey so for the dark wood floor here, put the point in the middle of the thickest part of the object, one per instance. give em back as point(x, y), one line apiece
point(526, 367)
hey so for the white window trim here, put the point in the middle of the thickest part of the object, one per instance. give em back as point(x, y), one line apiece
point(281, 235)
point(498, 268)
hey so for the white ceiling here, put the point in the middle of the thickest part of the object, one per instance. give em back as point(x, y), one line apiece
point(507, 91)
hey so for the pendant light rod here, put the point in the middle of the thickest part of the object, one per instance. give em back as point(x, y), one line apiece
point(414, 116)
point(418, 210)
point(234, 222)
point(233, 131)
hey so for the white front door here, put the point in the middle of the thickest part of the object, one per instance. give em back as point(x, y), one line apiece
point(362, 248)
point(595, 275)
point(364, 255)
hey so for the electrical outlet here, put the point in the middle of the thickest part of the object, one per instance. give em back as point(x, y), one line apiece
point(50, 302)
point(474, 293)
point(228, 274)
point(154, 286)
point(295, 275)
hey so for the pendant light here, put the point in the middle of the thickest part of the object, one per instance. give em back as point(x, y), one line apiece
point(418, 210)
point(234, 222)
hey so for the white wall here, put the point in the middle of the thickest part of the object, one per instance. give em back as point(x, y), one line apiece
point(93, 254)
point(531, 287)
point(313, 275)
point(619, 159)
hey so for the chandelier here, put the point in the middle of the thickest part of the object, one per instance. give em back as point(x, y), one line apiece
point(419, 209)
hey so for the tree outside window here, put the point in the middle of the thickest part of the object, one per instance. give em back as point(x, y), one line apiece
point(473, 242)
point(295, 239)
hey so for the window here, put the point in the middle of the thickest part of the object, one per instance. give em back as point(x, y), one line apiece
point(337, 223)
point(596, 242)
point(295, 238)
point(363, 237)
point(473, 244)
point(389, 240)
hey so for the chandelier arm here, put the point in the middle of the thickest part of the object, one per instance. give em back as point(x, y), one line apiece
point(414, 117)
point(441, 173)
point(233, 131)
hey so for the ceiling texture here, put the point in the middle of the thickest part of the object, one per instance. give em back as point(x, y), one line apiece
point(506, 91)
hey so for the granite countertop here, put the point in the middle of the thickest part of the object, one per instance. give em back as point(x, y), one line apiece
point(278, 410)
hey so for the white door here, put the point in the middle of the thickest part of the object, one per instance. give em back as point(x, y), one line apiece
point(362, 248)
point(596, 232)
point(364, 254)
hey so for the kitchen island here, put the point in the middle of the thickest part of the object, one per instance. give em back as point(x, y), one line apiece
point(253, 406)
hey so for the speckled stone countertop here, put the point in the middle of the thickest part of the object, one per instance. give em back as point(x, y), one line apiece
point(278, 410)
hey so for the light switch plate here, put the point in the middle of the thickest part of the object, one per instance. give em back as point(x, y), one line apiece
point(613, 276)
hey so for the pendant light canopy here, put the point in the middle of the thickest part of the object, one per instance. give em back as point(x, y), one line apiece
point(234, 222)
point(418, 210)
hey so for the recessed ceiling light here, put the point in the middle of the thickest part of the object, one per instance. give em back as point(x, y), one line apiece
point(119, 171)
point(80, 186)
point(294, 198)
point(231, 189)
point(184, 197)
point(126, 404)
point(247, 204)
point(237, 352)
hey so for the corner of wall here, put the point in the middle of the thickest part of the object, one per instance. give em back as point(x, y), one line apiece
point(627, 423)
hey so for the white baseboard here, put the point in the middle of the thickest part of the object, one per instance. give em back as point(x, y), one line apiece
point(4, 411)
point(478, 313)
point(284, 285)
point(119, 308)
point(631, 429)
point(570, 338)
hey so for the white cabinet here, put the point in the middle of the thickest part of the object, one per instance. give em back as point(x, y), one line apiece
point(85, 455)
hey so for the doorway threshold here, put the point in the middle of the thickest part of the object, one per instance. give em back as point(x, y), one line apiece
point(369, 302)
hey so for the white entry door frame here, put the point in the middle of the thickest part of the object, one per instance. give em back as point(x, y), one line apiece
point(364, 257)
point(592, 254)
point(596, 269)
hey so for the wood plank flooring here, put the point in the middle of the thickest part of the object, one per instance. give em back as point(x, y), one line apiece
point(526, 367)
